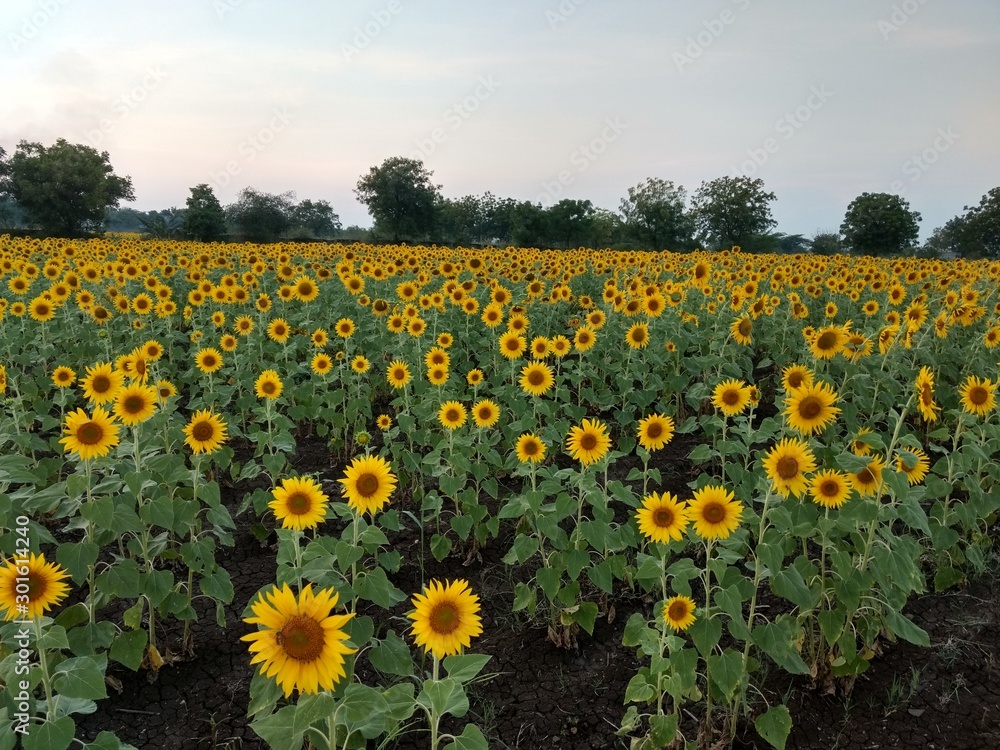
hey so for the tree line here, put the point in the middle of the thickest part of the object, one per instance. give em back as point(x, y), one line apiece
point(69, 189)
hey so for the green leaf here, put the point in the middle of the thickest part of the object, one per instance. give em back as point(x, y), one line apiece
point(440, 546)
point(945, 578)
point(276, 730)
point(311, 709)
point(774, 725)
point(705, 634)
point(471, 738)
point(905, 628)
point(218, 585)
point(363, 710)
point(663, 729)
point(465, 667)
point(776, 639)
point(77, 557)
point(391, 655)
point(585, 616)
point(156, 585)
point(107, 741)
point(548, 580)
point(444, 697)
point(726, 670)
point(123, 577)
point(52, 735)
point(80, 677)
point(129, 648)
point(374, 586)
point(852, 463)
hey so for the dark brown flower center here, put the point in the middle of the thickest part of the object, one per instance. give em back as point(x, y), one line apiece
point(588, 441)
point(298, 503)
point(530, 448)
point(677, 611)
point(731, 397)
point(654, 430)
point(787, 467)
point(978, 395)
point(302, 638)
point(134, 404)
point(829, 488)
point(810, 407)
point(367, 485)
point(203, 431)
point(444, 618)
point(714, 512)
point(827, 341)
point(865, 476)
point(746, 326)
point(536, 377)
point(663, 517)
point(90, 433)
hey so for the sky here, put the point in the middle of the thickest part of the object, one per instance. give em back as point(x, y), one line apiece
point(534, 100)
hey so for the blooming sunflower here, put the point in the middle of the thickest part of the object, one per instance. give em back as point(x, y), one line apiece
point(452, 415)
point(135, 403)
point(165, 390)
point(678, 612)
point(924, 386)
point(731, 397)
point(858, 446)
point(205, 432)
point(830, 488)
point(208, 360)
point(299, 503)
point(662, 518)
point(63, 376)
point(345, 328)
point(438, 375)
point(321, 364)
point(367, 484)
point(398, 374)
point(268, 385)
point(89, 436)
point(512, 345)
point(560, 346)
point(589, 442)
point(794, 377)
point(811, 408)
point(485, 413)
point(360, 364)
point(278, 330)
point(978, 396)
point(302, 646)
point(827, 342)
point(584, 339)
point(45, 587)
point(655, 431)
point(914, 463)
point(445, 617)
point(474, 377)
point(101, 383)
point(869, 479)
point(714, 512)
point(787, 464)
point(536, 378)
point(384, 422)
point(637, 337)
point(530, 448)
point(742, 330)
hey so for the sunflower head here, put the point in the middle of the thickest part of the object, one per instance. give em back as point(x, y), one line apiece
point(662, 518)
point(530, 449)
point(445, 618)
point(45, 587)
point(830, 488)
point(367, 484)
point(731, 397)
point(299, 503)
point(536, 378)
point(268, 385)
point(655, 431)
point(714, 512)
point(678, 612)
point(589, 442)
point(787, 464)
point(205, 432)
point(452, 415)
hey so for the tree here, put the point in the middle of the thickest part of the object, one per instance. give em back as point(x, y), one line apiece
point(880, 224)
point(317, 217)
point(656, 216)
point(66, 188)
point(827, 243)
point(731, 210)
point(261, 217)
point(204, 220)
point(571, 222)
point(167, 223)
point(400, 197)
point(981, 230)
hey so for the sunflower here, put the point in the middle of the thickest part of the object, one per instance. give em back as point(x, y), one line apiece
point(589, 442)
point(830, 488)
point(512, 345)
point(305, 289)
point(914, 463)
point(809, 409)
point(787, 464)
point(445, 618)
point(858, 446)
point(827, 342)
point(244, 325)
point(637, 336)
point(474, 377)
point(584, 339)
point(101, 383)
point(559, 346)
point(45, 587)
point(206, 432)
point(321, 364)
point(63, 376)
point(437, 356)
point(384, 422)
point(452, 415)
point(208, 360)
point(662, 518)
point(869, 479)
point(731, 397)
point(398, 374)
point(742, 330)
point(302, 646)
point(360, 364)
point(278, 330)
point(539, 347)
point(796, 376)
point(978, 396)
point(135, 403)
point(924, 386)
point(530, 448)
point(714, 512)
point(299, 503)
point(228, 343)
point(90, 437)
point(415, 327)
point(678, 612)
point(367, 484)
point(165, 390)
point(345, 328)
point(536, 378)
point(41, 309)
point(438, 375)
point(655, 431)
point(268, 385)
point(485, 413)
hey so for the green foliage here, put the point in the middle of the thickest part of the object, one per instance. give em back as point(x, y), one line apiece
point(880, 224)
point(729, 211)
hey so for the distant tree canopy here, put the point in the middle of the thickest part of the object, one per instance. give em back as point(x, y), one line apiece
point(316, 218)
point(204, 219)
point(732, 211)
point(401, 198)
point(656, 216)
point(880, 224)
point(975, 234)
point(827, 243)
point(64, 188)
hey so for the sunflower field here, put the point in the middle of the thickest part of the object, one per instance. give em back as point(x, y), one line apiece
point(744, 464)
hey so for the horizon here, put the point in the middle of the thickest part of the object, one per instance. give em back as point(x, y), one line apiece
point(533, 102)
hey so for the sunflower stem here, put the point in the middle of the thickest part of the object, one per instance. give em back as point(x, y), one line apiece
point(90, 537)
point(43, 662)
point(708, 616)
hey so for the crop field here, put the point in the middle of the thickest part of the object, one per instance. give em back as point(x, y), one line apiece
point(348, 496)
